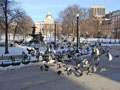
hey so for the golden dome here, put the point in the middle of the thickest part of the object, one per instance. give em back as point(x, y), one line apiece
point(49, 19)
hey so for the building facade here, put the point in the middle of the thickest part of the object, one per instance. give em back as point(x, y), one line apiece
point(116, 23)
point(116, 20)
point(106, 27)
point(97, 11)
point(47, 26)
point(111, 23)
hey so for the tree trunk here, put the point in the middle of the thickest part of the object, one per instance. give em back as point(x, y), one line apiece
point(6, 29)
point(15, 30)
point(14, 36)
point(0, 37)
point(73, 32)
point(6, 40)
point(23, 38)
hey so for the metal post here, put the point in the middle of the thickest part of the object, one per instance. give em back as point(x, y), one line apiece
point(55, 36)
point(50, 32)
point(116, 35)
point(77, 32)
point(46, 31)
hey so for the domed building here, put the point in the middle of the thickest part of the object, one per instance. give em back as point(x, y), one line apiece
point(45, 26)
point(49, 19)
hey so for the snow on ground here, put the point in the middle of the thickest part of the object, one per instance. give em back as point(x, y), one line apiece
point(19, 49)
point(110, 45)
point(12, 51)
point(16, 51)
point(19, 66)
point(17, 37)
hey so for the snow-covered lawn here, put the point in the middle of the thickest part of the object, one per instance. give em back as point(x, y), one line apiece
point(12, 51)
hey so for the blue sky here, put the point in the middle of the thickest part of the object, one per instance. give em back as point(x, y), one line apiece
point(38, 9)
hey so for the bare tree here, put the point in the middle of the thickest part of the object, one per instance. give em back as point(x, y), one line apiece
point(87, 25)
point(68, 18)
point(24, 25)
point(8, 14)
point(1, 29)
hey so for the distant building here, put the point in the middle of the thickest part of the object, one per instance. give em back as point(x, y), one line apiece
point(106, 26)
point(111, 23)
point(116, 20)
point(46, 26)
point(97, 11)
point(49, 19)
point(116, 23)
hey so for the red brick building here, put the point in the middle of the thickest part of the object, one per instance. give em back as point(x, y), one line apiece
point(111, 24)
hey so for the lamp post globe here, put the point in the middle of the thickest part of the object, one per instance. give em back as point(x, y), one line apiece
point(77, 15)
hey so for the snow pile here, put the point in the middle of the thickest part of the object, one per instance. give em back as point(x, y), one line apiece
point(19, 66)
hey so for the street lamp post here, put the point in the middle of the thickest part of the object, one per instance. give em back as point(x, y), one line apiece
point(55, 37)
point(77, 29)
point(86, 35)
point(116, 36)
